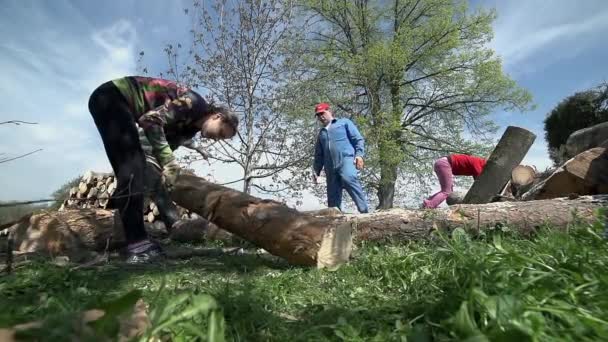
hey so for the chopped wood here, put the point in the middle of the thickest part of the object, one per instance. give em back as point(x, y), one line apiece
point(83, 188)
point(585, 174)
point(151, 217)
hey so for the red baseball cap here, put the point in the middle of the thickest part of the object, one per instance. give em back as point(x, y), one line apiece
point(321, 107)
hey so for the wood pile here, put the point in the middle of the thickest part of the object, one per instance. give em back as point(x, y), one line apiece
point(94, 192)
point(585, 174)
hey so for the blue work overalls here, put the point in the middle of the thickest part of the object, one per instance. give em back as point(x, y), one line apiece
point(335, 150)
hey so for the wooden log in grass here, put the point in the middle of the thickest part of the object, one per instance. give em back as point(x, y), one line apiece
point(299, 238)
point(302, 239)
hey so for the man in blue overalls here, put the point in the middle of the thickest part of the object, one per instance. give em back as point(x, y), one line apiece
point(339, 149)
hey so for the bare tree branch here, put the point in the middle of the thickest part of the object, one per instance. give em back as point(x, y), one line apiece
point(21, 156)
point(18, 122)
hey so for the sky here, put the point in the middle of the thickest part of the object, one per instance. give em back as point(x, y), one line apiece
point(53, 54)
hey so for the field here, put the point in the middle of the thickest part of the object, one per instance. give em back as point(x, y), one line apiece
point(497, 287)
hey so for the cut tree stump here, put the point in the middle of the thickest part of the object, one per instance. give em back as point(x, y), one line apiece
point(299, 238)
point(72, 231)
point(585, 174)
point(508, 153)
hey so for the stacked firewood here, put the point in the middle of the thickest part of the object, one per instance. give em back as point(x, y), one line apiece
point(152, 212)
point(96, 188)
point(93, 191)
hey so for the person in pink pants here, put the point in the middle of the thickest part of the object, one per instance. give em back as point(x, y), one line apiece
point(446, 168)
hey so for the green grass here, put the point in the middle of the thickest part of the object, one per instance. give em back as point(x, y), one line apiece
point(497, 287)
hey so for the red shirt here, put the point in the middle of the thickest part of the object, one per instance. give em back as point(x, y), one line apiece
point(465, 165)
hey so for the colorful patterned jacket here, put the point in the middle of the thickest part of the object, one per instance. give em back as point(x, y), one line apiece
point(165, 111)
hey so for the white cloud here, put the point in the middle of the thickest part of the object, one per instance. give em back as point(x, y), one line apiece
point(546, 32)
point(51, 69)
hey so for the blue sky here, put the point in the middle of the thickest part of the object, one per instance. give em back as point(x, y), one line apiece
point(54, 53)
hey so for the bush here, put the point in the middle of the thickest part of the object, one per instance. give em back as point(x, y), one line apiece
point(578, 111)
point(12, 213)
point(63, 192)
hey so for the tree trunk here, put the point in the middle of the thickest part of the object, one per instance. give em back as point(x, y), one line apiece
point(285, 232)
point(386, 191)
point(388, 164)
point(273, 226)
point(523, 217)
point(67, 232)
point(508, 153)
point(247, 183)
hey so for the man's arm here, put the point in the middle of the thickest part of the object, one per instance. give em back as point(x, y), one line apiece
point(318, 162)
point(355, 138)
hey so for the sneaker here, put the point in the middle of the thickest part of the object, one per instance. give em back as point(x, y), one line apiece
point(143, 252)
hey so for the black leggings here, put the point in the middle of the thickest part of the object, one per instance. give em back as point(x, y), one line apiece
point(116, 125)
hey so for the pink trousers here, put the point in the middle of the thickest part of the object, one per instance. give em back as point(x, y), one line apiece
point(443, 169)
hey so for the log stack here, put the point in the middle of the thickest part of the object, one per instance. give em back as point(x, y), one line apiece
point(94, 192)
point(585, 174)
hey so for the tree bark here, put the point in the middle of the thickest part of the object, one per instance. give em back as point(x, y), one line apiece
point(386, 190)
point(523, 217)
point(285, 232)
point(281, 230)
point(508, 153)
point(67, 232)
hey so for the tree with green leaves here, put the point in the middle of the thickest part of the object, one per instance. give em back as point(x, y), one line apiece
point(417, 75)
point(581, 110)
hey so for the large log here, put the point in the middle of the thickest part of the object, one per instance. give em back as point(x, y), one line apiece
point(522, 217)
point(585, 139)
point(70, 231)
point(508, 153)
point(585, 174)
point(301, 239)
point(67, 232)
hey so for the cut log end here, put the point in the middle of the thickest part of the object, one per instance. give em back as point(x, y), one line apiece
point(522, 175)
point(336, 247)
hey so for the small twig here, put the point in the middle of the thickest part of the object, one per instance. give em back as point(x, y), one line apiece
point(106, 251)
point(18, 122)
point(14, 204)
point(9, 255)
point(21, 156)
